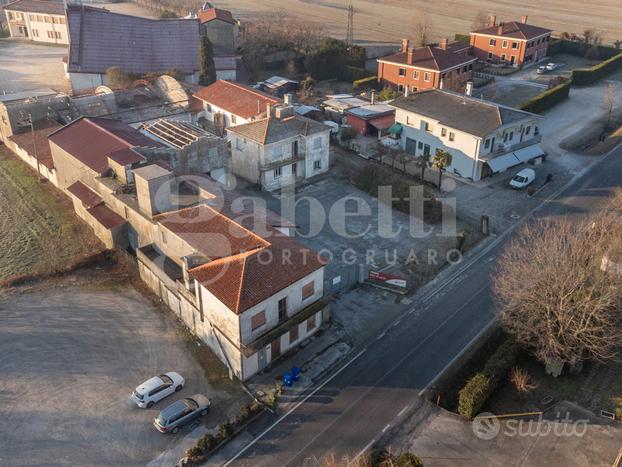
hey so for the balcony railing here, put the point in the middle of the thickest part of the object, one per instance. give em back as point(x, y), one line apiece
point(504, 149)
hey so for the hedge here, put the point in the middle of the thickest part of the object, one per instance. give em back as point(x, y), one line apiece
point(548, 99)
point(587, 76)
point(479, 387)
point(352, 73)
point(365, 83)
point(566, 46)
point(463, 38)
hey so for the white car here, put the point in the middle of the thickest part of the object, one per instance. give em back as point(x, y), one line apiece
point(523, 178)
point(551, 66)
point(541, 70)
point(156, 389)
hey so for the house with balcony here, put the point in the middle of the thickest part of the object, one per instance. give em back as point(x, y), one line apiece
point(279, 150)
point(446, 65)
point(515, 43)
point(37, 20)
point(482, 137)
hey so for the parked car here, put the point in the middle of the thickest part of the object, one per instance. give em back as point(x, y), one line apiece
point(552, 66)
point(176, 415)
point(157, 388)
point(541, 70)
point(523, 178)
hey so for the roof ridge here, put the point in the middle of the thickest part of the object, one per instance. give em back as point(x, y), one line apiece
point(249, 89)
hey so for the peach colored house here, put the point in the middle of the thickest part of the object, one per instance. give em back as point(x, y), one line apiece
point(515, 43)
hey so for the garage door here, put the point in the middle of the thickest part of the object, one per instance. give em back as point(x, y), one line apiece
point(498, 164)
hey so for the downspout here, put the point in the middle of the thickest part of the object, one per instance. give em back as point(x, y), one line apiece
point(477, 148)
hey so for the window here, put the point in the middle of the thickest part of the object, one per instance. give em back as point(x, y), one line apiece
point(32, 17)
point(420, 145)
point(443, 132)
point(163, 236)
point(505, 44)
point(416, 74)
point(61, 20)
point(400, 88)
point(487, 143)
point(233, 119)
point(426, 150)
point(127, 212)
point(295, 169)
point(57, 34)
point(308, 290)
point(425, 126)
point(493, 42)
point(465, 69)
point(11, 18)
point(50, 36)
point(294, 148)
point(452, 136)
point(293, 334)
point(402, 71)
point(528, 130)
point(311, 323)
point(503, 57)
point(515, 45)
point(489, 55)
point(283, 309)
point(317, 165)
point(208, 108)
point(426, 76)
point(277, 172)
point(258, 320)
point(35, 33)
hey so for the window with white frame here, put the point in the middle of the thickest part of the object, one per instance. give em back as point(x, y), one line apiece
point(452, 136)
point(278, 172)
point(443, 132)
point(493, 42)
point(426, 77)
point(402, 71)
point(505, 44)
point(416, 74)
point(317, 165)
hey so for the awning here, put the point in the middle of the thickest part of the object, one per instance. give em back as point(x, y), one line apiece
point(382, 123)
point(501, 163)
point(528, 153)
point(396, 129)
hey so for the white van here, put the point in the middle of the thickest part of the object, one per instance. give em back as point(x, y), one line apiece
point(523, 178)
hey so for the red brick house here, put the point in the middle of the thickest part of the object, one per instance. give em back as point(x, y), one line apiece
point(515, 43)
point(446, 65)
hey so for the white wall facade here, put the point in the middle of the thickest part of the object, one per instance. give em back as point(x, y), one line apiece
point(38, 27)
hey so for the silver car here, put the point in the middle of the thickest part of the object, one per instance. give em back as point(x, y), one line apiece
point(176, 415)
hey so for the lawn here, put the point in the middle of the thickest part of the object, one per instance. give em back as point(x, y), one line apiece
point(39, 231)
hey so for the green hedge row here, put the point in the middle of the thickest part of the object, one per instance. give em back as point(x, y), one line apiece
point(547, 99)
point(565, 46)
point(479, 387)
point(371, 82)
point(587, 76)
point(463, 38)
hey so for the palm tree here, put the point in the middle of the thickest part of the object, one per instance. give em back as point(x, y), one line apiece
point(422, 162)
point(441, 160)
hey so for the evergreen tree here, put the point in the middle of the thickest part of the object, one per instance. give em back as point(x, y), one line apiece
point(207, 71)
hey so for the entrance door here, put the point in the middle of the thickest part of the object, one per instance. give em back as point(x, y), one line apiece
point(262, 359)
point(276, 349)
point(411, 147)
point(512, 60)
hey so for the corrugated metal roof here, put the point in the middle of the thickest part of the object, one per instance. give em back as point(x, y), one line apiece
point(101, 39)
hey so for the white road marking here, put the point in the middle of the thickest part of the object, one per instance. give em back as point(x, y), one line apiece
point(386, 427)
point(401, 412)
point(362, 451)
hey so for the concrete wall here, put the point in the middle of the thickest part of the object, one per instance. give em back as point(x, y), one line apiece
point(203, 156)
point(69, 170)
point(49, 174)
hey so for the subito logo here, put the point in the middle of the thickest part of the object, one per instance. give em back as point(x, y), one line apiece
point(486, 426)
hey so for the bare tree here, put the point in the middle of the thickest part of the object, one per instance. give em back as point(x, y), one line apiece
point(554, 297)
point(421, 29)
point(521, 380)
point(480, 20)
point(610, 98)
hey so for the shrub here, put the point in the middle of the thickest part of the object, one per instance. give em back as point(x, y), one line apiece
point(463, 38)
point(587, 76)
point(168, 14)
point(225, 430)
point(365, 83)
point(547, 99)
point(348, 133)
point(407, 459)
point(388, 94)
point(352, 73)
point(479, 387)
point(194, 452)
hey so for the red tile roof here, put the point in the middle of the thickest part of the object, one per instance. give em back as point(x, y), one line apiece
point(91, 140)
point(245, 280)
point(106, 216)
point(235, 98)
point(514, 30)
point(88, 197)
point(126, 156)
point(216, 13)
point(210, 233)
point(430, 58)
point(27, 142)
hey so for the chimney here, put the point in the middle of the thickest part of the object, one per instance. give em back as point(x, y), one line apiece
point(469, 88)
point(523, 19)
point(405, 45)
point(443, 44)
point(500, 29)
point(373, 97)
point(492, 21)
point(409, 58)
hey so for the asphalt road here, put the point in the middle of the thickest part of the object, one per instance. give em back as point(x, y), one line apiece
point(353, 407)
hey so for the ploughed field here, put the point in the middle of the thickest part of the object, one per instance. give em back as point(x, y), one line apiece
point(390, 20)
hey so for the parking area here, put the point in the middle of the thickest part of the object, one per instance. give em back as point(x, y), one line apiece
point(69, 359)
point(508, 92)
point(25, 66)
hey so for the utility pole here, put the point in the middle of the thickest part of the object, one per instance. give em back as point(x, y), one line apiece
point(350, 31)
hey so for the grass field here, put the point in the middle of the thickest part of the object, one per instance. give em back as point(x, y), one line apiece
point(390, 20)
point(38, 230)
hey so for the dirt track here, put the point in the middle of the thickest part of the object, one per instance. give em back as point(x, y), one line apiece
point(390, 20)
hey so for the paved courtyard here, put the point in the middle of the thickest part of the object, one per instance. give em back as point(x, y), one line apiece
point(69, 359)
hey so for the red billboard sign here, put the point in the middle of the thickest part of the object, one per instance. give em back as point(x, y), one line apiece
point(390, 279)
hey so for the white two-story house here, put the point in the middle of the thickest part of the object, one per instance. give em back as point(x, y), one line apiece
point(277, 151)
point(483, 137)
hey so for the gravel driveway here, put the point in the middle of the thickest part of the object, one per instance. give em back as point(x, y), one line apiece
point(69, 358)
